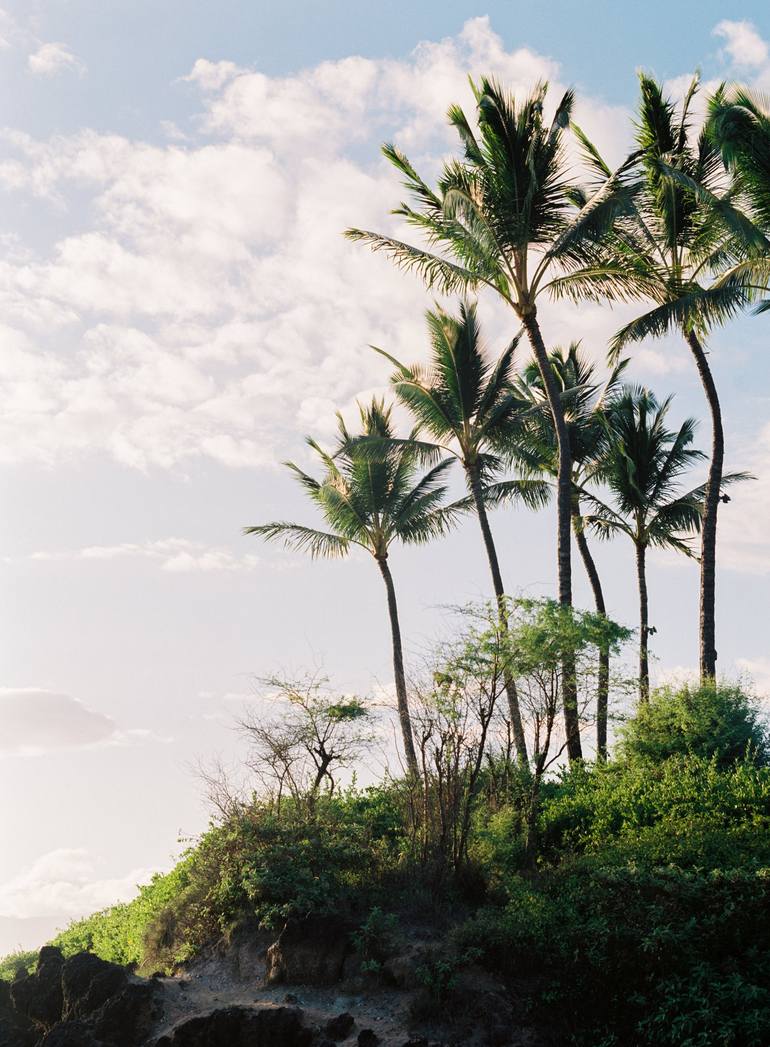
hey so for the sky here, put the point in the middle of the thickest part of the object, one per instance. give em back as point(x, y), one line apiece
point(179, 309)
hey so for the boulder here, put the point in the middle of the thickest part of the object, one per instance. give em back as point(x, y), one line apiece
point(38, 996)
point(341, 1027)
point(71, 1034)
point(309, 952)
point(240, 1027)
point(125, 1019)
point(87, 983)
point(17, 1031)
point(368, 1038)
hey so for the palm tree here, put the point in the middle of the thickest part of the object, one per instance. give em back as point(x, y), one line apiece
point(371, 504)
point(698, 257)
point(507, 217)
point(585, 399)
point(642, 466)
point(739, 127)
point(468, 406)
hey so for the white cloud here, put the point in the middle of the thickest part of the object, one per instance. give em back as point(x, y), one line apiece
point(743, 44)
point(171, 554)
point(34, 721)
point(53, 58)
point(201, 300)
point(758, 669)
point(65, 884)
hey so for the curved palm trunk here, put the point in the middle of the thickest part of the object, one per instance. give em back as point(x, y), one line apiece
point(398, 668)
point(644, 668)
point(708, 654)
point(564, 522)
point(474, 482)
point(603, 683)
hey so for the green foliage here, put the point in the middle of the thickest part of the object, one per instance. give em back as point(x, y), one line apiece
point(120, 934)
point(648, 921)
point(713, 720)
point(374, 938)
point(16, 963)
point(639, 955)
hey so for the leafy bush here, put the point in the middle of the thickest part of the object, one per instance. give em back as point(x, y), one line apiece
point(643, 956)
point(715, 720)
point(16, 963)
point(257, 863)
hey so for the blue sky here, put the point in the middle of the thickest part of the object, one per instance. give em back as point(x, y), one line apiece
point(179, 309)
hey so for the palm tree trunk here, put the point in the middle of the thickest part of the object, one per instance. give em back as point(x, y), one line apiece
point(603, 683)
point(398, 669)
point(474, 482)
point(564, 521)
point(644, 668)
point(708, 654)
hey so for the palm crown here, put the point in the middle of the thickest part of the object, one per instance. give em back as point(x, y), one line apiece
point(739, 126)
point(465, 400)
point(687, 243)
point(584, 397)
point(508, 196)
point(642, 466)
point(366, 500)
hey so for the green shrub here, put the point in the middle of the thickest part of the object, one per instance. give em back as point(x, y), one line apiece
point(16, 963)
point(715, 720)
point(644, 956)
point(686, 811)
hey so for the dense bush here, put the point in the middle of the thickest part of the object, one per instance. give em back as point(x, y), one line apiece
point(714, 720)
point(629, 954)
point(258, 864)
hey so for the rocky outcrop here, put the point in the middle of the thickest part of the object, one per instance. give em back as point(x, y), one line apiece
point(79, 1002)
point(308, 952)
point(241, 1027)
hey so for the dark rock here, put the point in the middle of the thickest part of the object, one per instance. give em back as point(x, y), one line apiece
point(71, 1034)
point(240, 1027)
point(38, 996)
point(5, 998)
point(401, 971)
point(17, 1031)
point(308, 952)
point(87, 983)
point(125, 1019)
point(416, 1041)
point(368, 1038)
point(341, 1027)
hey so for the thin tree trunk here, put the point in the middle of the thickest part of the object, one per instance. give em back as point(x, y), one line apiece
point(564, 521)
point(398, 669)
point(603, 683)
point(644, 668)
point(519, 737)
point(708, 653)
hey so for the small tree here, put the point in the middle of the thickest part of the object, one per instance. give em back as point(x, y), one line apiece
point(317, 734)
point(455, 705)
point(540, 633)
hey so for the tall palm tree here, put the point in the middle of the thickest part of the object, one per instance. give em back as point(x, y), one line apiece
point(466, 403)
point(642, 466)
point(739, 127)
point(372, 503)
point(506, 216)
point(585, 398)
point(698, 257)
